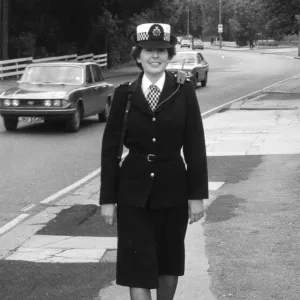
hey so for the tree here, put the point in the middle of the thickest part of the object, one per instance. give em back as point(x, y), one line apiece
point(4, 28)
point(281, 17)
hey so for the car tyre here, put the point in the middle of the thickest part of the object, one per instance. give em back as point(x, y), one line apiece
point(195, 81)
point(204, 82)
point(73, 124)
point(103, 116)
point(10, 122)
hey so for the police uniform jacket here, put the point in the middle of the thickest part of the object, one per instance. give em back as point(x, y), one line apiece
point(176, 124)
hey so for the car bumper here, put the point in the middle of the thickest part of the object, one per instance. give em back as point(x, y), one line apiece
point(36, 112)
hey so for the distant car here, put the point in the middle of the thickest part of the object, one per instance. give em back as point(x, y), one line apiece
point(186, 43)
point(179, 38)
point(198, 44)
point(193, 63)
point(67, 91)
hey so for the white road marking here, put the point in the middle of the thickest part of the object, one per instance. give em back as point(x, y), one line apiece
point(71, 187)
point(13, 223)
point(215, 185)
point(28, 207)
point(74, 185)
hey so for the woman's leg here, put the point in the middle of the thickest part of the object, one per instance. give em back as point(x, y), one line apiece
point(140, 294)
point(167, 287)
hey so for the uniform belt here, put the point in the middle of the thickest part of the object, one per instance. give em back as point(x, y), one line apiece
point(155, 157)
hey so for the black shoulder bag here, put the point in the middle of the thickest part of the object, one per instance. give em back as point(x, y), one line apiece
point(124, 128)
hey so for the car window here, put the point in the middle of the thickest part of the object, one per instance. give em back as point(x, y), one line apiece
point(89, 78)
point(52, 74)
point(97, 73)
point(200, 58)
point(188, 58)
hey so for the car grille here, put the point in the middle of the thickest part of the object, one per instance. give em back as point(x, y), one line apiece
point(31, 103)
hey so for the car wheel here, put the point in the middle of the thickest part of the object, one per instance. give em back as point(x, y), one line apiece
point(10, 122)
point(195, 81)
point(103, 116)
point(73, 124)
point(204, 82)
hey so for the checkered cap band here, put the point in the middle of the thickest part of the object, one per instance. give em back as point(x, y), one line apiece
point(153, 96)
point(144, 36)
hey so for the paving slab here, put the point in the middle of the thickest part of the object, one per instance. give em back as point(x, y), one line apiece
point(68, 242)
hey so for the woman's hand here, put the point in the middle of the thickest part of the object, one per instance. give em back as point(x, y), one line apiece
point(109, 212)
point(196, 210)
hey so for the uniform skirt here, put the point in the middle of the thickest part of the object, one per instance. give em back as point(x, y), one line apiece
point(150, 244)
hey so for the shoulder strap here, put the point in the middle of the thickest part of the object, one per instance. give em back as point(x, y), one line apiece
point(124, 126)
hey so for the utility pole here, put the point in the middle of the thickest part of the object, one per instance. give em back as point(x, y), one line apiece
point(188, 22)
point(220, 22)
point(298, 20)
point(1, 27)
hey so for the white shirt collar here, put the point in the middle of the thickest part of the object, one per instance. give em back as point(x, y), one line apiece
point(146, 83)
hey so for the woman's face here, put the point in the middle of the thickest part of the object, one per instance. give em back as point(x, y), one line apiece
point(154, 61)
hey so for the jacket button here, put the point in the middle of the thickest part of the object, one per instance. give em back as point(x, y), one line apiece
point(152, 174)
point(153, 119)
point(154, 140)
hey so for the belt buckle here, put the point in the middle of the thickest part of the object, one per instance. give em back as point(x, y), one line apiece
point(149, 157)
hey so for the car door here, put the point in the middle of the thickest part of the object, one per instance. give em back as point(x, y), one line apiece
point(88, 93)
point(100, 89)
point(201, 66)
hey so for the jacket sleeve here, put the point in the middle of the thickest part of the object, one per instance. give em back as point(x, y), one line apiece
point(110, 147)
point(194, 147)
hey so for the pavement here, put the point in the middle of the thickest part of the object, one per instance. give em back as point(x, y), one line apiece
point(43, 254)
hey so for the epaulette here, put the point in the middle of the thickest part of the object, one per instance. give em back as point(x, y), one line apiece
point(125, 84)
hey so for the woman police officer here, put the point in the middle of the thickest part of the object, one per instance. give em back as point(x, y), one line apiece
point(155, 190)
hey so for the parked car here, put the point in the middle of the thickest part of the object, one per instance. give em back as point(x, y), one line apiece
point(193, 63)
point(198, 44)
point(186, 43)
point(67, 91)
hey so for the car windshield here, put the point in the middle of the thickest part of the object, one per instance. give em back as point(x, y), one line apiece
point(53, 74)
point(189, 58)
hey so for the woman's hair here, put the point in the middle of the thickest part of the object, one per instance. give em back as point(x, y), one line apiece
point(136, 52)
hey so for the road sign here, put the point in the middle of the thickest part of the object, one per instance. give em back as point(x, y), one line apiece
point(220, 28)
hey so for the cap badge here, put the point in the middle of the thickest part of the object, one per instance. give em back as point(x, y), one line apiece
point(156, 31)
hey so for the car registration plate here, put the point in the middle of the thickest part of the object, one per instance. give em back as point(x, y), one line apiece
point(32, 120)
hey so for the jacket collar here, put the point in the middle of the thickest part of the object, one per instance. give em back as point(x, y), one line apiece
point(138, 98)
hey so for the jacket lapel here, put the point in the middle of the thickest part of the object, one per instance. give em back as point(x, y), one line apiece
point(168, 88)
point(137, 97)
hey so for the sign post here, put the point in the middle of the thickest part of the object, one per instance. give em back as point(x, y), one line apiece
point(298, 19)
point(220, 31)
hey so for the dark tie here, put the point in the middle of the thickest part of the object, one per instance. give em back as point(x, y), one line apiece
point(153, 96)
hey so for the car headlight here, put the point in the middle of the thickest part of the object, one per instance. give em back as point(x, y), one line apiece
point(15, 102)
point(7, 102)
point(188, 73)
point(47, 103)
point(56, 102)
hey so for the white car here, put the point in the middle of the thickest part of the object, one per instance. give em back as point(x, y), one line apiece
point(186, 43)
